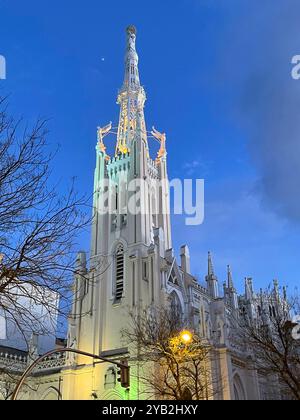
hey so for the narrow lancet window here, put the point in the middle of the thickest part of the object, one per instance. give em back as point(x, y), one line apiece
point(119, 273)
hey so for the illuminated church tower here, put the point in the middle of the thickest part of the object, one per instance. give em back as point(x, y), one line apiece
point(131, 233)
point(132, 265)
point(131, 163)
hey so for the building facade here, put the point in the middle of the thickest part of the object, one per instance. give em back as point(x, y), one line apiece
point(132, 265)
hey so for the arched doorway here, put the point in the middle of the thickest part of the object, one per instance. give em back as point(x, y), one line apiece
point(52, 394)
point(187, 395)
point(175, 306)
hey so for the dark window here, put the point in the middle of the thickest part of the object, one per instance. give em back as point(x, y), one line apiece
point(270, 310)
point(173, 278)
point(176, 308)
point(119, 273)
point(145, 270)
point(117, 199)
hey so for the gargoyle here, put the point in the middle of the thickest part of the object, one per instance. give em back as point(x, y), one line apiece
point(102, 132)
point(161, 137)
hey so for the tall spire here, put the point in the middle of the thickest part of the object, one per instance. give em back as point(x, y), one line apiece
point(230, 293)
point(210, 265)
point(229, 278)
point(211, 279)
point(131, 99)
point(132, 79)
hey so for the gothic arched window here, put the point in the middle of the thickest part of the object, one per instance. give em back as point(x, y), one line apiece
point(119, 273)
point(176, 308)
point(154, 209)
point(110, 379)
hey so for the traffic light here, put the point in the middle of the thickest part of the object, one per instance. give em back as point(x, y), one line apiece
point(124, 374)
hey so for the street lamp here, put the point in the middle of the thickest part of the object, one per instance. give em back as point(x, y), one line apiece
point(186, 337)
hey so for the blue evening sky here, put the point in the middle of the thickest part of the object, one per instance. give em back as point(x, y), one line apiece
point(218, 78)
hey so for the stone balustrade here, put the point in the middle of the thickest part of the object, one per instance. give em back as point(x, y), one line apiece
point(18, 364)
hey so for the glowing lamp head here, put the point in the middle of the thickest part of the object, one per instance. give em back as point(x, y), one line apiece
point(186, 336)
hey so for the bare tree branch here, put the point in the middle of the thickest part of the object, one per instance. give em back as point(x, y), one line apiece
point(269, 339)
point(38, 226)
point(172, 369)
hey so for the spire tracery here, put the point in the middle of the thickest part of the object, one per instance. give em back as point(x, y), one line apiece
point(131, 99)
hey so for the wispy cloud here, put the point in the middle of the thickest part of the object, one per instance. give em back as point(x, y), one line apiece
point(239, 231)
point(268, 99)
point(196, 166)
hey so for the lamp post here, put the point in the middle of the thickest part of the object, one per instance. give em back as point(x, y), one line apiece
point(184, 338)
point(124, 368)
point(181, 349)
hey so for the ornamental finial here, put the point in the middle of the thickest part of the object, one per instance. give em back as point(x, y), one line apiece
point(102, 132)
point(161, 137)
point(131, 29)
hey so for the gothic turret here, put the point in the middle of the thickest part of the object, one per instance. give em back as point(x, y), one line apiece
point(250, 298)
point(249, 289)
point(185, 259)
point(211, 279)
point(230, 291)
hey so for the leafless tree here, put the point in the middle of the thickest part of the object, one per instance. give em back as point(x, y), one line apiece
point(8, 382)
point(172, 369)
point(272, 341)
point(38, 227)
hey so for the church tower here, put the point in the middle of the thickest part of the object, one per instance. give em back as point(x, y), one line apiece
point(130, 193)
point(131, 230)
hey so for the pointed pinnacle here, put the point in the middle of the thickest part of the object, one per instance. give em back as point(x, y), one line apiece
point(210, 265)
point(229, 278)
